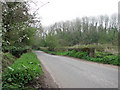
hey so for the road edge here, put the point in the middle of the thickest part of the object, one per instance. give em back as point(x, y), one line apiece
point(48, 78)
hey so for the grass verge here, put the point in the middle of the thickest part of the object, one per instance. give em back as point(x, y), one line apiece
point(7, 60)
point(100, 57)
point(22, 71)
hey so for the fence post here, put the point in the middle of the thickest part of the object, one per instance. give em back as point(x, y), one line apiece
point(92, 52)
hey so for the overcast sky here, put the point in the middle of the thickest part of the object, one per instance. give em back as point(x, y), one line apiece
point(62, 10)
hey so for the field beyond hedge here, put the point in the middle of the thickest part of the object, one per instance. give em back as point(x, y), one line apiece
point(22, 71)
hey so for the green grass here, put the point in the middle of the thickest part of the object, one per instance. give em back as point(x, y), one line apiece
point(22, 71)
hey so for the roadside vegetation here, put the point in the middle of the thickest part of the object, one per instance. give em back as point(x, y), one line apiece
point(22, 71)
point(20, 66)
point(85, 31)
point(22, 32)
point(100, 33)
point(99, 57)
point(7, 60)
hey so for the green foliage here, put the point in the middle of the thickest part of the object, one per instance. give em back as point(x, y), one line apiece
point(22, 71)
point(18, 30)
point(107, 60)
point(16, 51)
point(71, 53)
point(112, 60)
point(7, 60)
point(75, 54)
point(81, 55)
point(84, 31)
point(100, 57)
point(51, 42)
point(102, 54)
point(29, 39)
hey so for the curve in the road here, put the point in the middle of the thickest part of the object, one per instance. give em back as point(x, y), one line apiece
point(71, 73)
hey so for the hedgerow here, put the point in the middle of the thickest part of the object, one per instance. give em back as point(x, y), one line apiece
point(16, 51)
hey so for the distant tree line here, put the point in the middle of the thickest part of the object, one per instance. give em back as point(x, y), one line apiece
point(86, 30)
point(21, 28)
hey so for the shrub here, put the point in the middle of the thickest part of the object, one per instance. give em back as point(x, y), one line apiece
point(83, 55)
point(71, 53)
point(107, 60)
point(111, 60)
point(16, 51)
point(101, 54)
point(22, 71)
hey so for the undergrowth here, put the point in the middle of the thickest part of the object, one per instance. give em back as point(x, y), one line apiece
point(7, 60)
point(100, 57)
point(22, 71)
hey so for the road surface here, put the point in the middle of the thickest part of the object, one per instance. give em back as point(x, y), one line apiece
point(72, 73)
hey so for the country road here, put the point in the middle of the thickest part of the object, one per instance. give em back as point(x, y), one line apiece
point(73, 73)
